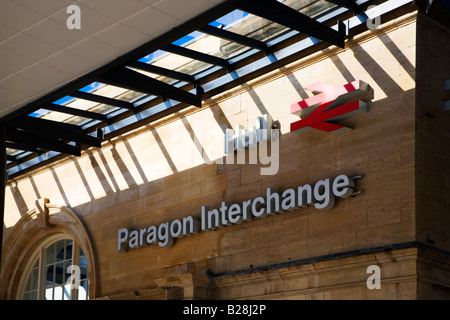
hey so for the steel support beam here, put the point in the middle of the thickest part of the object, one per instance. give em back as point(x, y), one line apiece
point(162, 71)
point(189, 53)
point(285, 15)
point(101, 99)
point(235, 37)
point(32, 140)
point(132, 80)
point(51, 129)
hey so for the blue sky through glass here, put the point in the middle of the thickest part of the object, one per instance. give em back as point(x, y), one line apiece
point(229, 18)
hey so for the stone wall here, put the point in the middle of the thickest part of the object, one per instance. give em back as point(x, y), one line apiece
point(158, 173)
point(433, 155)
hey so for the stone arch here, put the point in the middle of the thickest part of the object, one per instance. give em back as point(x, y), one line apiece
point(30, 231)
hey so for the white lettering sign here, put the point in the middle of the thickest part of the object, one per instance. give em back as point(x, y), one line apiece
point(322, 196)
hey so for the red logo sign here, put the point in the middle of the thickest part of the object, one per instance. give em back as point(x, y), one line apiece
point(330, 103)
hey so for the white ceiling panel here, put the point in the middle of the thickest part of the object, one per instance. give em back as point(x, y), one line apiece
point(94, 50)
point(9, 99)
point(183, 10)
point(55, 33)
point(18, 84)
point(18, 17)
point(129, 37)
point(151, 22)
point(44, 74)
point(4, 73)
point(151, 2)
point(29, 47)
point(13, 62)
point(68, 63)
point(117, 9)
point(6, 32)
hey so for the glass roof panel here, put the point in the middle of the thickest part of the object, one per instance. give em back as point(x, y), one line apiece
point(154, 56)
point(63, 101)
point(254, 27)
point(119, 93)
point(13, 152)
point(92, 87)
point(311, 8)
point(230, 18)
point(56, 116)
point(181, 64)
point(39, 113)
point(155, 76)
point(104, 108)
point(215, 46)
point(77, 120)
point(109, 91)
point(190, 38)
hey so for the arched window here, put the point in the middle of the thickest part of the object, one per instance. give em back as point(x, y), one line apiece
point(57, 271)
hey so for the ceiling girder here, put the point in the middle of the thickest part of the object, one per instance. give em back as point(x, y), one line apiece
point(51, 129)
point(196, 55)
point(132, 80)
point(235, 37)
point(162, 71)
point(32, 140)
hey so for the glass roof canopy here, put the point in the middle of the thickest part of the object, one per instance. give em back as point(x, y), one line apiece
point(223, 48)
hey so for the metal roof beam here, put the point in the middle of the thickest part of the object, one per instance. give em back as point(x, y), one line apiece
point(285, 15)
point(76, 112)
point(101, 99)
point(31, 140)
point(235, 37)
point(162, 71)
point(17, 146)
point(129, 79)
point(189, 53)
point(51, 129)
